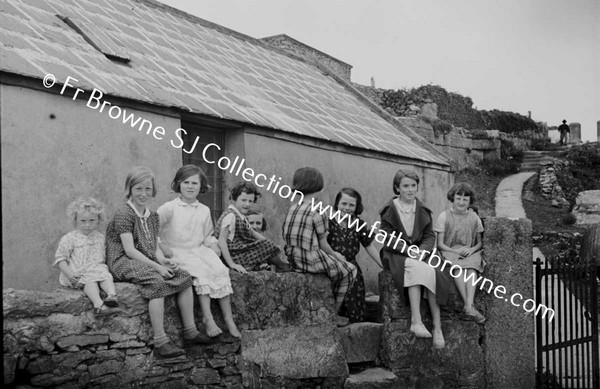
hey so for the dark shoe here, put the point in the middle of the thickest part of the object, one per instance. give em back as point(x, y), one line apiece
point(281, 267)
point(201, 339)
point(111, 301)
point(103, 310)
point(168, 350)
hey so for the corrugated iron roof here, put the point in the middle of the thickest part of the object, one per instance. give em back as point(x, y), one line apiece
point(178, 60)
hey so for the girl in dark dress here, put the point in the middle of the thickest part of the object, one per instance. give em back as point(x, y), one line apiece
point(346, 240)
point(406, 216)
point(132, 255)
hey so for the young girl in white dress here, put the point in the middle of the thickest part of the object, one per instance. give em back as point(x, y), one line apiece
point(186, 229)
point(80, 255)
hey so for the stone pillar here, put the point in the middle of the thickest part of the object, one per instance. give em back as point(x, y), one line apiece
point(509, 331)
point(575, 136)
point(413, 360)
point(598, 130)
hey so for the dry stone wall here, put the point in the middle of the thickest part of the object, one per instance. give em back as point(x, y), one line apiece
point(54, 339)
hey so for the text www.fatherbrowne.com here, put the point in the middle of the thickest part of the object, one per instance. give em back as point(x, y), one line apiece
point(393, 241)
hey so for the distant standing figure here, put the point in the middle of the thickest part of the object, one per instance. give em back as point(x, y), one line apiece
point(564, 130)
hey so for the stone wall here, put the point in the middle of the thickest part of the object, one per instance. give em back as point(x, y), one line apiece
point(498, 354)
point(54, 339)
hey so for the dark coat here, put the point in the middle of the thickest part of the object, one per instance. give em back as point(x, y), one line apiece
point(423, 237)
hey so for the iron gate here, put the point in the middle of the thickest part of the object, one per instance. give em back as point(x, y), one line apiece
point(567, 346)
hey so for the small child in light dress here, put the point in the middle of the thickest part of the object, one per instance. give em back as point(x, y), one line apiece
point(459, 236)
point(186, 229)
point(243, 248)
point(344, 239)
point(305, 236)
point(80, 255)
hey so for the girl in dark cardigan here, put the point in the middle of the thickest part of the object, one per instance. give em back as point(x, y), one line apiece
point(407, 215)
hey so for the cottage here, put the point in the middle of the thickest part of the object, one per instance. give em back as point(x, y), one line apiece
point(90, 89)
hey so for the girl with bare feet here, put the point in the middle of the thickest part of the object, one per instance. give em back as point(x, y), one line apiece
point(459, 236)
point(407, 217)
point(186, 232)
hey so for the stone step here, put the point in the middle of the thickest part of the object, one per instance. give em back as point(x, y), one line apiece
point(361, 341)
point(375, 378)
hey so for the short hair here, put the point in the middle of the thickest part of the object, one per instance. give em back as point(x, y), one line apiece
point(255, 210)
point(308, 180)
point(352, 193)
point(135, 176)
point(186, 172)
point(461, 189)
point(400, 174)
point(243, 187)
point(88, 204)
point(564, 121)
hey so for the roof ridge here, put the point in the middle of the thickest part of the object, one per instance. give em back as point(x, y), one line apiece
point(305, 45)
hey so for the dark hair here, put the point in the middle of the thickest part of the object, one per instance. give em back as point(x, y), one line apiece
point(244, 187)
point(186, 172)
point(474, 208)
point(461, 189)
point(255, 210)
point(400, 174)
point(352, 193)
point(307, 180)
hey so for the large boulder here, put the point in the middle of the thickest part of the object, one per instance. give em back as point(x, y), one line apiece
point(587, 207)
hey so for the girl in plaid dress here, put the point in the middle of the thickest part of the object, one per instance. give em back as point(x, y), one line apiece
point(243, 248)
point(305, 235)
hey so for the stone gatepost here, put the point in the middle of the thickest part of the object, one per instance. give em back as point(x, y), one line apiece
point(575, 135)
point(509, 330)
point(414, 361)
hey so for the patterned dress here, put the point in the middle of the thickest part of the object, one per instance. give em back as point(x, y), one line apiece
point(243, 248)
point(347, 241)
point(187, 229)
point(460, 230)
point(85, 256)
point(144, 229)
point(302, 230)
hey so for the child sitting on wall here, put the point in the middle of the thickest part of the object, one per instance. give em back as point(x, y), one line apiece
point(243, 248)
point(305, 235)
point(80, 255)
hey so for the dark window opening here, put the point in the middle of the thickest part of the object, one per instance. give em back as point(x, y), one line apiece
point(206, 135)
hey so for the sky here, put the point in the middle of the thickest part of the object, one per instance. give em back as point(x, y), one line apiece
point(541, 56)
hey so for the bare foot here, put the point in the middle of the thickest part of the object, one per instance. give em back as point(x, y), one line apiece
point(211, 327)
point(233, 330)
point(341, 321)
point(438, 339)
point(420, 331)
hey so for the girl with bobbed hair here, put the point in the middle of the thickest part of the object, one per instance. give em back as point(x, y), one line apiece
point(407, 215)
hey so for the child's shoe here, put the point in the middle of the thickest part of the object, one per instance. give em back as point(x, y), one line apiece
point(102, 310)
point(200, 339)
point(168, 350)
point(474, 315)
point(281, 267)
point(111, 301)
